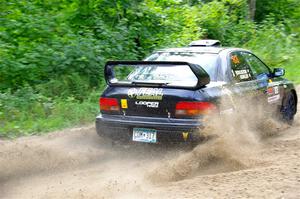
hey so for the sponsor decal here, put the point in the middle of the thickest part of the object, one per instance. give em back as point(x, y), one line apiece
point(276, 90)
point(270, 91)
point(124, 103)
point(273, 99)
point(146, 93)
point(273, 90)
point(147, 104)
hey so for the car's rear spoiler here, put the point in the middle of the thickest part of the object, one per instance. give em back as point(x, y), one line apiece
point(200, 73)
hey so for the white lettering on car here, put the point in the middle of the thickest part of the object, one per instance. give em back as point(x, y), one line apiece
point(148, 104)
point(146, 93)
point(273, 99)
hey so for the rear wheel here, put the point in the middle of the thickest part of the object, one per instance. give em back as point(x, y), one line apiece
point(288, 108)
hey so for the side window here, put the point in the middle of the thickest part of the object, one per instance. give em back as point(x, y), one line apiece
point(239, 67)
point(257, 66)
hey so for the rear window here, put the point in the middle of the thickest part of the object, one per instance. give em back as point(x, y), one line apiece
point(171, 75)
point(208, 61)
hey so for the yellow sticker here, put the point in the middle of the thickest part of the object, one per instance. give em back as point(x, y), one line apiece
point(270, 81)
point(185, 135)
point(124, 103)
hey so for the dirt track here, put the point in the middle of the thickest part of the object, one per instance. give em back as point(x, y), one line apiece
point(76, 163)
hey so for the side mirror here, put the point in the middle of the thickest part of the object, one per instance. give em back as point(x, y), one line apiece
point(278, 72)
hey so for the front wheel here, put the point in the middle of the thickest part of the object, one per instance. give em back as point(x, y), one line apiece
point(288, 108)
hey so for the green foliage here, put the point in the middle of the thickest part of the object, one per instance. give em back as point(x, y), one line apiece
point(280, 10)
point(273, 42)
point(52, 53)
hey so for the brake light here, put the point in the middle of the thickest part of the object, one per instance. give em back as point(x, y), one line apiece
point(109, 104)
point(194, 108)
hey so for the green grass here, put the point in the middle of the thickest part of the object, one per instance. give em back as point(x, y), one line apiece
point(40, 116)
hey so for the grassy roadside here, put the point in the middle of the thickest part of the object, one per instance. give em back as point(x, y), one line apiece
point(35, 114)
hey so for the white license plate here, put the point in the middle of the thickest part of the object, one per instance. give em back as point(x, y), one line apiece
point(144, 135)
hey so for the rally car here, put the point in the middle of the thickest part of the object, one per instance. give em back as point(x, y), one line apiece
point(165, 97)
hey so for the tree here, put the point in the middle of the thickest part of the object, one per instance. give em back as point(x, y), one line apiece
point(252, 9)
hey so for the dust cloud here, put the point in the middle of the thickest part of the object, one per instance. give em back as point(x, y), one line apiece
point(240, 157)
point(234, 138)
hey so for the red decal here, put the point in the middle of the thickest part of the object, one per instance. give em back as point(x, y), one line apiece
point(270, 90)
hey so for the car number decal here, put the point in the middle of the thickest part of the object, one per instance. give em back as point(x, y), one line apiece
point(146, 93)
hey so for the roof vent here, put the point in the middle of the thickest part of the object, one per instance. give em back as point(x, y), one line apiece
point(205, 43)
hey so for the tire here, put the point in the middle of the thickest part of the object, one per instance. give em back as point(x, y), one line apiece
point(288, 108)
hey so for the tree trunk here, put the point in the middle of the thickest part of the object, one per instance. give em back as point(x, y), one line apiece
point(252, 8)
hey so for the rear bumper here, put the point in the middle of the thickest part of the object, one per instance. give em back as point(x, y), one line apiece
point(168, 129)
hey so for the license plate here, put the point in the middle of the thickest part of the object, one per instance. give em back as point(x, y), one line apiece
point(144, 135)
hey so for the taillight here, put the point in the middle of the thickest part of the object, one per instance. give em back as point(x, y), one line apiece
point(109, 104)
point(194, 108)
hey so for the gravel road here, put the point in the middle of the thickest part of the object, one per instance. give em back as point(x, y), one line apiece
point(76, 163)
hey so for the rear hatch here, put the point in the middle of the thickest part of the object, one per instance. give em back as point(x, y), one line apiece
point(153, 89)
point(149, 102)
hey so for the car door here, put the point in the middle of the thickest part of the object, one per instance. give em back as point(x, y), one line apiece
point(248, 82)
point(270, 86)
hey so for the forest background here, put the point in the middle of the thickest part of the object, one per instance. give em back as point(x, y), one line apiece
point(52, 52)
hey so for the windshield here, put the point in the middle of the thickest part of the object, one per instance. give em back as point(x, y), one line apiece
point(207, 61)
point(171, 75)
